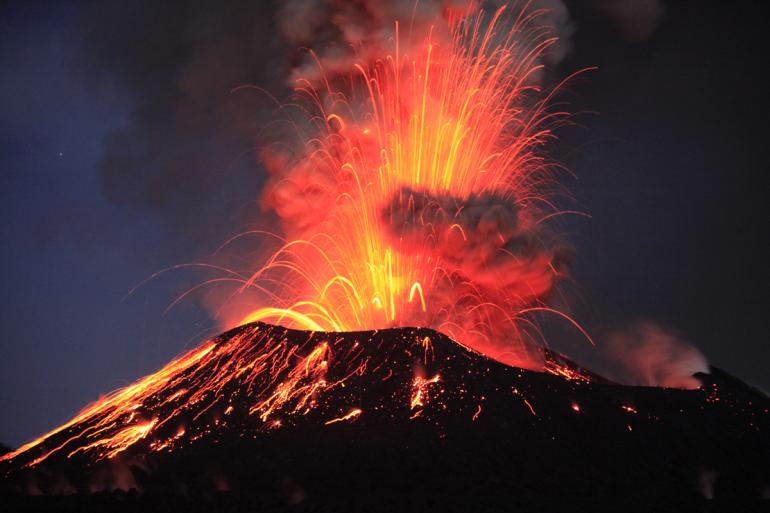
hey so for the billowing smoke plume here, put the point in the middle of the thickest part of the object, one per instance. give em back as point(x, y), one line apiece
point(651, 355)
point(187, 152)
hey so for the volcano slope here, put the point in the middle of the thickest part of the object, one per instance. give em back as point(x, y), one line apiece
point(266, 418)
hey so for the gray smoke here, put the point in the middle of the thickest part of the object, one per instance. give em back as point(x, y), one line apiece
point(342, 34)
point(188, 151)
point(482, 237)
point(493, 253)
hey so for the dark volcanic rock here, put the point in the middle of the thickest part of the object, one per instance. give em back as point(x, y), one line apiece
point(480, 436)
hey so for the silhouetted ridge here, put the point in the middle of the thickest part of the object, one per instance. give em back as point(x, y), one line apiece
point(404, 417)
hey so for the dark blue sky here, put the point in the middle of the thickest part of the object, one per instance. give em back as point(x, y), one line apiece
point(69, 256)
point(672, 167)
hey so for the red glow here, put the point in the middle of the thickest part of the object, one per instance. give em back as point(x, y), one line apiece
point(421, 197)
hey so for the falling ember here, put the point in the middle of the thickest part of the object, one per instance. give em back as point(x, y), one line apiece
point(531, 409)
point(526, 402)
point(351, 415)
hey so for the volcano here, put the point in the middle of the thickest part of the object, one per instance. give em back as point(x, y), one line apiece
point(397, 419)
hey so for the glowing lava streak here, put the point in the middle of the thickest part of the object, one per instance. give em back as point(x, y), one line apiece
point(351, 415)
point(387, 209)
point(118, 409)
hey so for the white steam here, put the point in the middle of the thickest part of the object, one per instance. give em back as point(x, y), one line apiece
point(651, 355)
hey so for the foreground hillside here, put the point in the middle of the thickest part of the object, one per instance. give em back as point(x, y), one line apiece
point(266, 418)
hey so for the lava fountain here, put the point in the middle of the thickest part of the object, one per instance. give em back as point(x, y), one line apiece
point(419, 198)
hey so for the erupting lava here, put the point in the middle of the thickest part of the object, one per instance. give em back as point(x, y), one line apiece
point(419, 200)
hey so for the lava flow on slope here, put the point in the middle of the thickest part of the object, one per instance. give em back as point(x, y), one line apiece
point(356, 416)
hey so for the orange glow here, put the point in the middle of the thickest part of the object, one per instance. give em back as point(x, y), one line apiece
point(460, 117)
point(420, 390)
point(111, 446)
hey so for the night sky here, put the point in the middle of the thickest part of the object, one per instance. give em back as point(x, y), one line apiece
point(123, 151)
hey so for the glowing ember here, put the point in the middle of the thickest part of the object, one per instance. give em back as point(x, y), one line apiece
point(526, 402)
point(353, 414)
point(420, 393)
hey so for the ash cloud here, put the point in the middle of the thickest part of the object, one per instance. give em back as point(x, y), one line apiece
point(489, 248)
point(342, 34)
point(483, 237)
point(187, 154)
